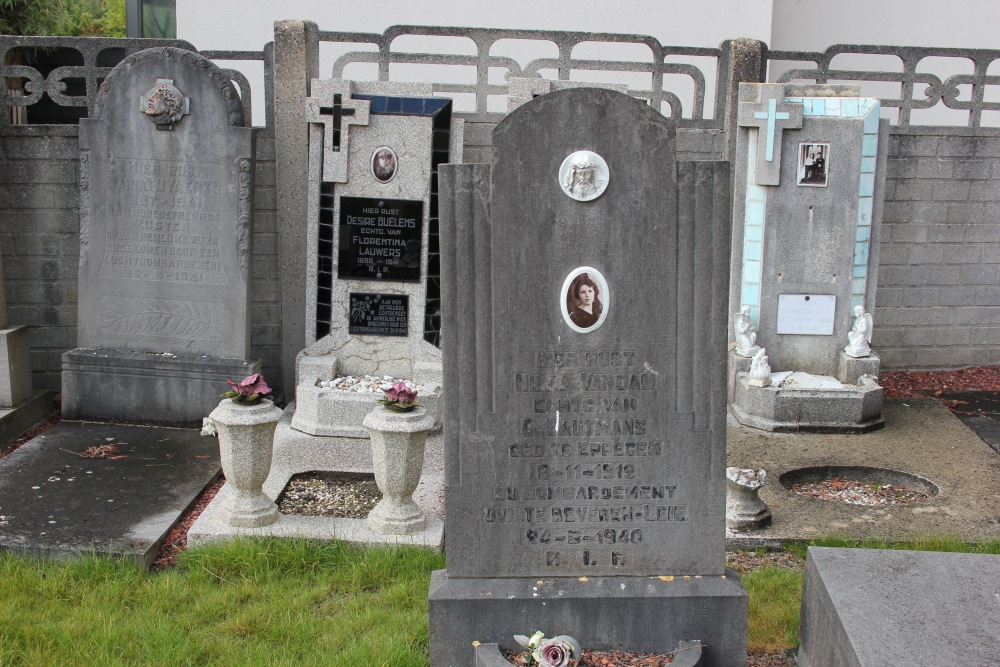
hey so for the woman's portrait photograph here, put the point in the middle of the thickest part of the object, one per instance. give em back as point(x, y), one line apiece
point(813, 159)
point(384, 164)
point(585, 299)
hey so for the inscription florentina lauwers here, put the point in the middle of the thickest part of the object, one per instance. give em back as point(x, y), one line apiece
point(585, 299)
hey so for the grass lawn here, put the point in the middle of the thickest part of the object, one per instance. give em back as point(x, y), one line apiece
point(284, 602)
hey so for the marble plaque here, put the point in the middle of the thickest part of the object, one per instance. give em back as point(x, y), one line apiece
point(806, 314)
point(379, 314)
point(380, 239)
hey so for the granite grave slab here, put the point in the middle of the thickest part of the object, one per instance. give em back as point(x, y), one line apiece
point(56, 503)
point(166, 204)
point(874, 607)
point(584, 293)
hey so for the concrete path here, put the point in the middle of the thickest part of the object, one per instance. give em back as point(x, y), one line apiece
point(920, 437)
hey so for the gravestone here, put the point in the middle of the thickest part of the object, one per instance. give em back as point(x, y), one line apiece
point(584, 291)
point(166, 190)
point(373, 294)
point(810, 165)
point(874, 607)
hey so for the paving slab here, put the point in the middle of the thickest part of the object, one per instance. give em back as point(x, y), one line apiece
point(56, 503)
point(920, 437)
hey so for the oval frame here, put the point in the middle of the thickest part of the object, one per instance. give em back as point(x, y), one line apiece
point(604, 294)
point(395, 164)
point(602, 175)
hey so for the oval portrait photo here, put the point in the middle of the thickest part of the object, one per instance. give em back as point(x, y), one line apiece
point(585, 299)
point(384, 164)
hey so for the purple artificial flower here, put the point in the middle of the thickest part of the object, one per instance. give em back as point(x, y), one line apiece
point(554, 653)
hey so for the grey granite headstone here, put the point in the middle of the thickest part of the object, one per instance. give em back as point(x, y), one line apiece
point(372, 299)
point(585, 455)
point(873, 607)
point(166, 186)
point(805, 250)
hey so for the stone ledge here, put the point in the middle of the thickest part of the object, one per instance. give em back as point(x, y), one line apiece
point(854, 409)
point(146, 388)
point(644, 614)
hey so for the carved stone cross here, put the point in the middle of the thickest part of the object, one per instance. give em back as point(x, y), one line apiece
point(332, 106)
point(770, 116)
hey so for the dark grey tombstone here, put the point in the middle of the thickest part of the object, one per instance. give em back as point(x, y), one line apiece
point(585, 482)
point(873, 607)
point(166, 201)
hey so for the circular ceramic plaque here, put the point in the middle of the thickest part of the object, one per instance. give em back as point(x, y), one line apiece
point(583, 175)
point(384, 164)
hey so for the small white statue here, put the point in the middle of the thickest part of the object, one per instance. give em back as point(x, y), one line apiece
point(746, 333)
point(860, 336)
point(760, 370)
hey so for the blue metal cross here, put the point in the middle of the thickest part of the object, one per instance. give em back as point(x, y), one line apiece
point(772, 115)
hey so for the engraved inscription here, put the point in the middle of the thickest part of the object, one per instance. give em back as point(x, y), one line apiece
point(581, 444)
point(164, 222)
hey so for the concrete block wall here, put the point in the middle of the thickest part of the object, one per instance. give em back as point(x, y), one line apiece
point(40, 240)
point(40, 243)
point(938, 298)
point(265, 289)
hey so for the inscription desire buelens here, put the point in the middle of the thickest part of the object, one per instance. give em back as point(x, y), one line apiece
point(164, 222)
point(380, 239)
point(582, 447)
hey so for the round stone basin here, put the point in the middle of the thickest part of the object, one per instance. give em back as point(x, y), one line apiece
point(795, 480)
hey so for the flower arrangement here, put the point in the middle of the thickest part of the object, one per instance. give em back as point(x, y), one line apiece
point(399, 398)
point(561, 651)
point(249, 391)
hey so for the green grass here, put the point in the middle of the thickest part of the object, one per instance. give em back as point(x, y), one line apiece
point(286, 602)
point(253, 602)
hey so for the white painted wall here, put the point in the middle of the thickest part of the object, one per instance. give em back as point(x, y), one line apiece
point(809, 25)
point(248, 24)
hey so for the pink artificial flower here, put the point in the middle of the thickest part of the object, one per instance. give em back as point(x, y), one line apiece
point(400, 393)
point(252, 384)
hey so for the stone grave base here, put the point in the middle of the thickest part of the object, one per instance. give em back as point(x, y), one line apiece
point(18, 419)
point(873, 607)
point(331, 412)
point(296, 452)
point(641, 614)
point(144, 387)
point(851, 409)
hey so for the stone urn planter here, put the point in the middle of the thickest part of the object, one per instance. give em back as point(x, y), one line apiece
point(398, 440)
point(246, 441)
point(744, 508)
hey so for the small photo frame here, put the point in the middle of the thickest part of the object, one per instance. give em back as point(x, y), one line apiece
point(384, 164)
point(585, 299)
point(814, 164)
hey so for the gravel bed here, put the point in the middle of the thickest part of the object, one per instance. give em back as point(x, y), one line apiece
point(860, 493)
point(342, 495)
point(365, 384)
